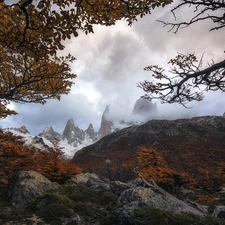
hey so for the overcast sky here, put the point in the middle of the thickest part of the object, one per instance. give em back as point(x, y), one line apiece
point(109, 65)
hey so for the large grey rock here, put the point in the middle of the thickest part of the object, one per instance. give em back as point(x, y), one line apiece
point(117, 187)
point(219, 212)
point(102, 184)
point(156, 198)
point(121, 215)
point(25, 186)
point(91, 180)
point(83, 178)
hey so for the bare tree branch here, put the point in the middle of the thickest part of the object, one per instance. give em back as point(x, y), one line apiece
point(203, 10)
point(186, 80)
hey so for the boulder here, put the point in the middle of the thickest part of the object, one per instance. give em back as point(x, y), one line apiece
point(219, 212)
point(92, 181)
point(152, 197)
point(25, 186)
point(121, 215)
point(117, 187)
point(83, 178)
point(102, 184)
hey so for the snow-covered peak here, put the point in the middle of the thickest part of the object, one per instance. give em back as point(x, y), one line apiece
point(43, 143)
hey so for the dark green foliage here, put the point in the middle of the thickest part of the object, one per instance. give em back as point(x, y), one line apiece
point(6, 212)
point(71, 201)
point(52, 207)
point(152, 216)
point(54, 212)
point(64, 205)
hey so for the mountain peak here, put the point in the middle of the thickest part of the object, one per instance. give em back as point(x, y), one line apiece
point(49, 134)
point(144, 108)
point(72, 133)
point(106, 124)
point(90, 131)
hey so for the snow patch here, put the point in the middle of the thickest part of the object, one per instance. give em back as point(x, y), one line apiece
point(29, 141)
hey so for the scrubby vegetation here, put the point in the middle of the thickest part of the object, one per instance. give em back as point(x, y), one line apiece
point(147, 215)
point(181, 153)
point(14, 156)
point(75, 204)
point(79, 205)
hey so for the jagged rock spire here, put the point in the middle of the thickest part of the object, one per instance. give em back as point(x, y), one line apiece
point(72, 133)
point(106, 124)
point(90, 131)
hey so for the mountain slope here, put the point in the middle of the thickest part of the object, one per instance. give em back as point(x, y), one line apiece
point(194, 148)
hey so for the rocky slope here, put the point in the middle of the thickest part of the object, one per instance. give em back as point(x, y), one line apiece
point(192, 147)
point(189, 151)
point(88, 199)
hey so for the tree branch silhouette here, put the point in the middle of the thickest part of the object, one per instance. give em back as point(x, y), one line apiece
point(187, 79)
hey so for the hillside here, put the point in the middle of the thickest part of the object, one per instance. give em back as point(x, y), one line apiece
point(178, 165)
point(180, 152)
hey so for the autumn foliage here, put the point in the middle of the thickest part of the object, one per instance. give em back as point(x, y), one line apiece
point(33, 34)
point(191, 158)
point(14, 156)
point(116, 164)
point(152, 166)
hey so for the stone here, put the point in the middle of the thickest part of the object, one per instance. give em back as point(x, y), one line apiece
point(25, 186)
point(219, 212)
point(82, 178)
point(92, 181)
point(121, 215)
point(117, 187)
point(157, 198)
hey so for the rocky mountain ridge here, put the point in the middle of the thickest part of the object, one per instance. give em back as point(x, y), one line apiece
point(192, 147)
point(74, 138)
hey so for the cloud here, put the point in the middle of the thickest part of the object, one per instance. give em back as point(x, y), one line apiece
point(56, 113)
point(109, 65)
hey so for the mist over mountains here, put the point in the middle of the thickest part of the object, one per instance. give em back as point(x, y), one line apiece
point(74, 138)
point(143, 111)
